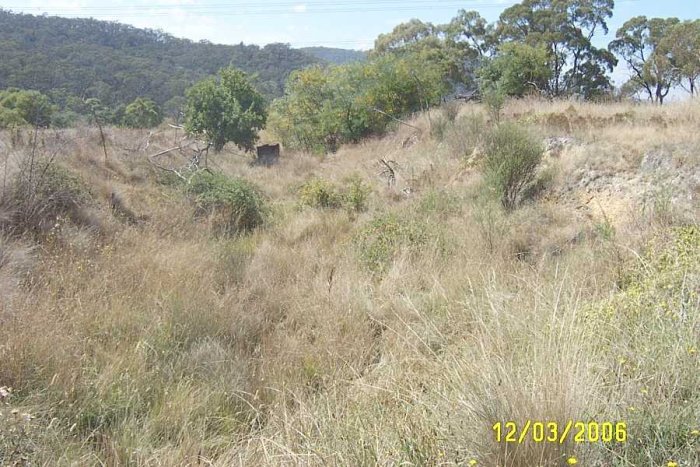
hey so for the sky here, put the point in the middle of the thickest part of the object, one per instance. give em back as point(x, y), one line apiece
point(350, 24)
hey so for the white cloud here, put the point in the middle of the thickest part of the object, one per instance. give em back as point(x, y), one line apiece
point(300, 8)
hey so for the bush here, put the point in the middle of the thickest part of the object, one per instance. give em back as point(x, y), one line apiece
point(240, 205)
point(42, 195)
point(356, 194)
point(380, 241)
point(319, 193)
point(512, 158)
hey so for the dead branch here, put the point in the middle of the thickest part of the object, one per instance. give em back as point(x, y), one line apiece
point(396, 119)
point(389, 172)
point(176, 148)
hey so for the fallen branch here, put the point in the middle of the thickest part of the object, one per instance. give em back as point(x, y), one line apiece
point(389, 172)
point(158, 166)
point(176, 148)
point(396, 119)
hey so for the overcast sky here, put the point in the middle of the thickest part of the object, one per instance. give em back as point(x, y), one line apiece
point(333, 23)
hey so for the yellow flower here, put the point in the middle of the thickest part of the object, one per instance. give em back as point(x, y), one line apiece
point(692, 350)
point(572, 460)
point(473, 462)
point(695, 432)
point(672, 464)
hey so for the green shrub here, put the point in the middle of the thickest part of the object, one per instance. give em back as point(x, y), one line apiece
point(356, 194)
point(512, 158)
point(319, 193)
point(382, 239)
point(239, 204)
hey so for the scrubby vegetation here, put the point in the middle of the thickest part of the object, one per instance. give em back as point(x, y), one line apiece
point(512, 159)
point(412, 274)
point(229, 325)
point(239, 204)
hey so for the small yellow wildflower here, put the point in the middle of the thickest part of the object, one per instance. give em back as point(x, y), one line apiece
point(695, 432)
point(632, 408)
point(572, 460)
point(473, 462)
point(692, 350)
point(672, 464)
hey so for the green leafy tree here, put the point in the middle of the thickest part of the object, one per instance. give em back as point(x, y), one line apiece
point(516, 70)
point(25, 107)
point(643, 44)
point(565, 28)
point(142, 113)
point(324, 107)
point(456, 47)
point(10, 118)
point(683, 43)
point(226, 109)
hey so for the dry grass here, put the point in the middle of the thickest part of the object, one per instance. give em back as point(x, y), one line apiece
point(158, 342)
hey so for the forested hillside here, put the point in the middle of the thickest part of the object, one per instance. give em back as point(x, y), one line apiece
point(336, 56)
point(116, 63)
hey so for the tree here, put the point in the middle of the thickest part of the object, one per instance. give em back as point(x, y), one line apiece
point(142, 113)
point(469, 28)
point(226, 109)
point(683, 42)
point(406, 37)
point(516, 69)
point(565, 28)
point(456, 47)
point(643, 44)
point(324, 107)
point(25, 107)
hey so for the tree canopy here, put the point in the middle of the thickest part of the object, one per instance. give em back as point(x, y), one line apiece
point(226, 109)
point(324, 107)
point(71, 59)
point(142, 113)
point(641, 43)
point(22, 107)
point(565, 28)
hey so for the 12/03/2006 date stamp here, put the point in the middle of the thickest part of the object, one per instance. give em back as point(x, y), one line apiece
point(554, 432)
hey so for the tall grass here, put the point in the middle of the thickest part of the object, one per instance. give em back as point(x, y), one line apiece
point(396, 334)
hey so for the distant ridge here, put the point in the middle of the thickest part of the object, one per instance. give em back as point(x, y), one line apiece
point(336, 56)
point(75, 58)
